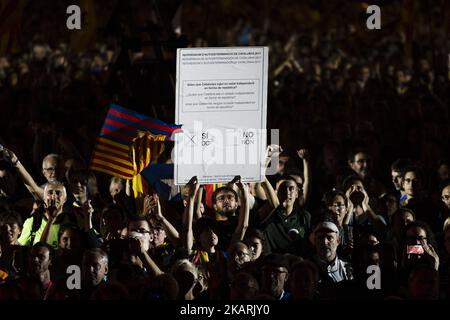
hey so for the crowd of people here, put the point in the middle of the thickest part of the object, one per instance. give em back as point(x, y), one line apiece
point(362, 169)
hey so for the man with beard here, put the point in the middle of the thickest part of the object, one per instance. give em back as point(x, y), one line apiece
point(225, 204)
point(331, 268)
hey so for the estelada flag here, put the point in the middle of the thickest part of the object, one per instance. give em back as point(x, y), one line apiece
point(128, 142)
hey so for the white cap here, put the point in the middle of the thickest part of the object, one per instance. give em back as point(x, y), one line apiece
point(327, 225)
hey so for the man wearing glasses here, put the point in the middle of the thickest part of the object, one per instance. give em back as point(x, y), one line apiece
point(52, 169)
point(275, 274)
point(140, 228)
point(360, 162)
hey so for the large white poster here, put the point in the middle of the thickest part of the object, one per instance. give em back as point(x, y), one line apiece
point(221, 101)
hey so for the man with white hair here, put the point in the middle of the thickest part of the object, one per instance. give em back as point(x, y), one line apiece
point(52, 169)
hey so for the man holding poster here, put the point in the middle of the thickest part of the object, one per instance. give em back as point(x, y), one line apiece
point(221, 101)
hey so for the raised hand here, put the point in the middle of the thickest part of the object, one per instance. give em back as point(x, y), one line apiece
point(147, 208)
point(155, 206)
point(135, 246)
point(365, 202)
point(10, 156)
point(87, 208)
point(83, 196)
point(272, 151)
point(242, 186)
point(350, 204)
point(355, 197)
point(303, 154)
point(50, 209)
point(430, 254)
point(235, 180)
point(193, 186)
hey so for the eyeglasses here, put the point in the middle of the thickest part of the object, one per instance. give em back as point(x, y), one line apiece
point(419, 238)
point(338, 205)
point(276, 270)
point(223, 198)
point(361, 161)
point(140, 230)
point(241, 254)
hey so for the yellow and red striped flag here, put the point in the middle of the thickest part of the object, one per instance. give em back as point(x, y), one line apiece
point(124, 148)
point(209, 191)
point(145, 149)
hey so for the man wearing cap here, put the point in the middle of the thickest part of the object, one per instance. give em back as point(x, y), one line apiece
point(331, 268)
point(274, 276)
